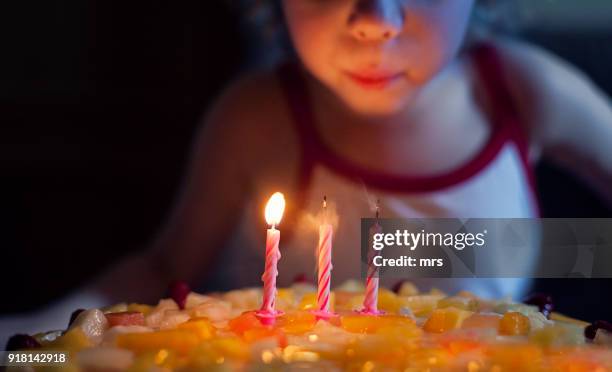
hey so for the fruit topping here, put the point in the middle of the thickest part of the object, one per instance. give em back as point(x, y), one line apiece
point(302, 278)
point(178, 291)
point(93, 323)
point(442, 320)
point(513, 324)
point(125, 318)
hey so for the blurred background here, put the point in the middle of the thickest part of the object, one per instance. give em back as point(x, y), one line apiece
point(99, 101)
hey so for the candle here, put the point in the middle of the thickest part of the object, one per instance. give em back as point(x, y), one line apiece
point(370, 302)
point(273, 213)
point(324, 250)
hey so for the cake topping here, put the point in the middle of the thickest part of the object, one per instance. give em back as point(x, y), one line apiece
point(178, 291)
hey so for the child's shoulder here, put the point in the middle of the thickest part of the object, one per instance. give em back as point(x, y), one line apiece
point(547, 90)
point(247, 115)
point(253, 98)
point(535, 67)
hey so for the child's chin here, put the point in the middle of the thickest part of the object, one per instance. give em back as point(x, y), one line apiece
point(378, 107)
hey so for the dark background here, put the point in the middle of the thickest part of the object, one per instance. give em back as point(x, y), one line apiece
point(99, 101)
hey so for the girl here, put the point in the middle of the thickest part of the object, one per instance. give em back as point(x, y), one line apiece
point(386, 101)
point(385, 96)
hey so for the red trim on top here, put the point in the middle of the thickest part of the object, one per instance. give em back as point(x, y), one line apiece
point(504, 119)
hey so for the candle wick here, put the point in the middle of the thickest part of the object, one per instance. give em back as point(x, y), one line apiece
point(325, 208)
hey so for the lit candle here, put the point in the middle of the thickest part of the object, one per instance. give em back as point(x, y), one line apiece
point(324, 251)
point(370, 302)
point(273, 213)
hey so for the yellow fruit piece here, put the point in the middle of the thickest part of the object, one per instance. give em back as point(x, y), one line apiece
point(257, 334)
point(421, 305)
point(200, 327)
point(408, 289)
point(285, 299)
point(343, 299)
point(297, 322)
point(442, 320)
point(355, 302)
point(218, 351)
point(402, 332)
point(388, 301)
point(73, 340)
point(459, 302)
point(357, 323)
point(558, 335)
point(558, 317)
point(232, 347)
point(513, 324)
point(145, 309)
point(309, 301)
point(437, 292)
point(181, 341)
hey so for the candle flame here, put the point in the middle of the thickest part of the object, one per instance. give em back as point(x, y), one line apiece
point(275, 209)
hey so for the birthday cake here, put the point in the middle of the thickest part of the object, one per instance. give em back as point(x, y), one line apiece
point(414, 331)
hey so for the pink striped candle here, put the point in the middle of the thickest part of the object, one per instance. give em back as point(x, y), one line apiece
point(370, 302)
point(271, 270)
point(274, 213)
point(325, 266)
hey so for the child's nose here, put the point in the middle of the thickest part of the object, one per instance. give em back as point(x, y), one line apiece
point(376, 20)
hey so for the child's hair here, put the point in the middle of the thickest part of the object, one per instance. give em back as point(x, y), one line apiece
point(265, 21)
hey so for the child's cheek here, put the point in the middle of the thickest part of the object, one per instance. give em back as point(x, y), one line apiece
point(438, 34)
point(316, 34)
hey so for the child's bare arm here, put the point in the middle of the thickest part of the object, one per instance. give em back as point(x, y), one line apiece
point(210, 201)
point(568, 117)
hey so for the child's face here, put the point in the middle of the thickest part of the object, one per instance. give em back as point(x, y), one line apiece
point(376, 54)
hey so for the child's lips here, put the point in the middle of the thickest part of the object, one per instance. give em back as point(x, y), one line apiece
point(375, 80)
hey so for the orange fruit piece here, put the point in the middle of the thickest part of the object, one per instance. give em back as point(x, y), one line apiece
point(73, 340)
point(181, 341)
point(244, 322)
point(442, 320)
point(297, 322)
point(388, 301)
point(514, 323)
point(460, 302)
point(357, 323)
point(200, 327)
point(257, 334)
point(482, 321)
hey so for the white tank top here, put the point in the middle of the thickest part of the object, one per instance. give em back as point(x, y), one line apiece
point(496, 183)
